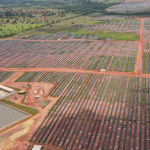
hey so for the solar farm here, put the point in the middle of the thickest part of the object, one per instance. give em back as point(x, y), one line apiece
point(98, 89)
point(94, 111)
point(120, 26)
point(98, 111)
point(5, 75)
point(59, 36)
point(130, 7)
point(91, 55)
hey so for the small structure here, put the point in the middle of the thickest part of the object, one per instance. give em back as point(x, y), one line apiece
point(22, 92)
point(37, 96)
point(37, 147)
point(35, 92)
point(103, 70)
point(7, 89)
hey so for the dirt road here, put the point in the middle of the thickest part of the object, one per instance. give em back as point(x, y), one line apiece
point(138, 66)
point(65, 40)
point(74, 70)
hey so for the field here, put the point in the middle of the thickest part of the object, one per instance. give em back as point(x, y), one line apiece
point(59, 26)
point(14, 29)
point(15, 20)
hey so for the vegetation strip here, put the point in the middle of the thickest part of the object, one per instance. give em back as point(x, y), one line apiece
point(23, 108)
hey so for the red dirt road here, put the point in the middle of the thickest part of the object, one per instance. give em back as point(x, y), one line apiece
point(65, 40)
point(74, 70)
point(138, 66)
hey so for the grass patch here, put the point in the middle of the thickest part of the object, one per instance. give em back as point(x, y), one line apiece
point(10, 29)
point(103, 34)
point(57, 27)
point(23, 108)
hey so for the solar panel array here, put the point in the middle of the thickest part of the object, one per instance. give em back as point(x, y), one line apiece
point(60, 36)
point(146, 58)
point(130, 7)
point(97, 55)
point(118, 26)
point(97, 112)
point(5, 75)
point(111, 17)
point(146, 33)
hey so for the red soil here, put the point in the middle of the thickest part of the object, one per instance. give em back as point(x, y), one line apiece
point(74, 70)
point(138, 66)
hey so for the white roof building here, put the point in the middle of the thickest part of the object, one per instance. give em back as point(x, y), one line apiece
point(37, 147)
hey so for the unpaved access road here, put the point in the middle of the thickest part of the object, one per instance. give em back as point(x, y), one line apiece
point(138, 66)
point(74, 70)
point(90, 40)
